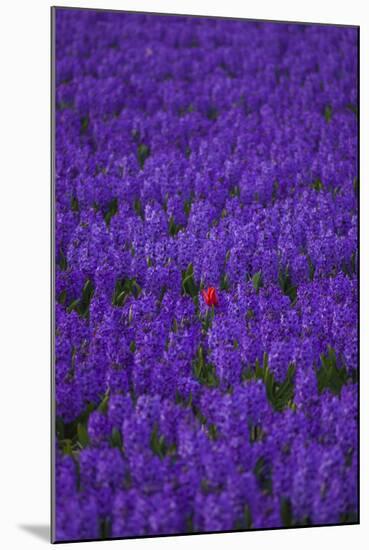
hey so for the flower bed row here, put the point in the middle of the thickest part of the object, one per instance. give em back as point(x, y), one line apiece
point(206, 275)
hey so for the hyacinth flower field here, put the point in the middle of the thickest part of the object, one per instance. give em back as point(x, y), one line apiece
point(206, 317)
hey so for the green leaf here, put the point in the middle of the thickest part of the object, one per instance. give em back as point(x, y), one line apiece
point(187, 205)
point(245, 522)
point(105, 529)
point(207, 320)
point(247, 517)
point(250, 314)
point(69, 431)
point(138, 208)
point(263, 474)
point(189, 524)
point(124, 288)
point(349, 517)
point(286, 512)
point(61, 299)
point(66, 447)
point(204, 371)
point(74, 204)
point(328, 113)
point(235, 191)
point(81, 305)
point(280, 395)
point(173, 228)
point(119, 300)
point(256, 433)
point(317, 185)
point(87, 294)
point(158, 444)
point(85, 121)
point(198, 414)
point(116, 439)
point(285, 283)
point(74, 306)
point(82, 435)
point(349, 268)
point(143, 152)
point(213, 431)
point(112, 209)
point(259, 371)
point(62, 261)
point(182, 400)
point(189, 286)
point(224, 282)
point(257, 281)
point(87, 290)
point(269, 386)
point(103, 405)
point(331, 375)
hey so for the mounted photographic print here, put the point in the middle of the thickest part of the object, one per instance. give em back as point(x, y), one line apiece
point(205, 281)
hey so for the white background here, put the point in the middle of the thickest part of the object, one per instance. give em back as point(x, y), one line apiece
point(24, 270)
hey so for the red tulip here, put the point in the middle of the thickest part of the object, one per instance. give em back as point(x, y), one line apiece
point(210, 296)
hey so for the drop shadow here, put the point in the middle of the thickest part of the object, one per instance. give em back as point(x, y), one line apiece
point(40, 531)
